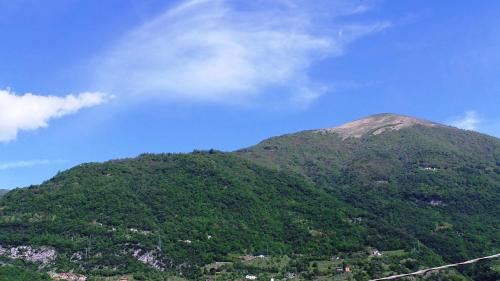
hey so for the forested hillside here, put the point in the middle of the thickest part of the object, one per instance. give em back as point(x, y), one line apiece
point(438, 183)
point(313, 205)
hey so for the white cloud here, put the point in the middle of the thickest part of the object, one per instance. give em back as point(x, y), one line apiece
point(27, 163)
point(219, 51)
point(30, 112)
point(469, 121)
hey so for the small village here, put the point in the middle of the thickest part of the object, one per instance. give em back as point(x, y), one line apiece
point(242, 268)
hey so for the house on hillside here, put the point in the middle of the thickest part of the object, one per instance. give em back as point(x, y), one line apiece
point(70, 276)
point(248, 257)
point(433, 169)
point(341, 269)
point(435, 202)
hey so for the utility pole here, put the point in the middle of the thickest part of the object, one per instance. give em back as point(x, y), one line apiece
point(416, 247)
point(159, 241)
point(87, 249)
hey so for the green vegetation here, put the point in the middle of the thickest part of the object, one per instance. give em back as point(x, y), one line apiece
point(437, 184)
point(310, 203)
point(187, 210)
point(17, 270)
point(9, 273)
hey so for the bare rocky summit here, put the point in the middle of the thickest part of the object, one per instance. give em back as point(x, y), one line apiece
point(377, 124)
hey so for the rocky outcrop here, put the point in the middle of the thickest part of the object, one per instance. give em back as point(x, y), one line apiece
point(149, 257)
point(376, 124)
point(41, 255)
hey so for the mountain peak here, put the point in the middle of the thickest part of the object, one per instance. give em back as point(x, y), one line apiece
point(377, 124)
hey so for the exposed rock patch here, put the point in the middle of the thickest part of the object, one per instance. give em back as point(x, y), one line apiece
point(376, 124)
point(41, 255)
point(149, 258)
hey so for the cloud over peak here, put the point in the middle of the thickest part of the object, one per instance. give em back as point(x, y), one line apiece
point(469, 121)
point(30, 112)
point(221, 51)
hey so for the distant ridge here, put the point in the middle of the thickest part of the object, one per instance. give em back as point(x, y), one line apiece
point(377, 124)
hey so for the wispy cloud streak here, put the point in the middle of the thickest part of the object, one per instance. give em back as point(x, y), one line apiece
point(28, 163)
point(469, 121)
point(220, 51)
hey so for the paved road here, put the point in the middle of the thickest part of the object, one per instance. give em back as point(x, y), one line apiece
point(436, 268)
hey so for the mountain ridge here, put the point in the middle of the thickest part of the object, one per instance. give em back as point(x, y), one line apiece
point(411, 167)
point(430, 192)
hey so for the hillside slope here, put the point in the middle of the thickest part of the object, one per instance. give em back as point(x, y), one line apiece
point(310, 204)
point(177, 212)
point(438, 183)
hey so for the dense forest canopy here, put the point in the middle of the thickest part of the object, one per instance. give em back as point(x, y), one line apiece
point(310, 203)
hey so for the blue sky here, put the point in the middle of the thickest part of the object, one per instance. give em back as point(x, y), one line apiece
point(84, 81)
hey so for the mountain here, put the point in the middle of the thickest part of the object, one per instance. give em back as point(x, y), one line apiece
point(378, 196)
point(439, 184)
point(201, 207)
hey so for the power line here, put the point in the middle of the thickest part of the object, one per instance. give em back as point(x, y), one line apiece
point(436, 268)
